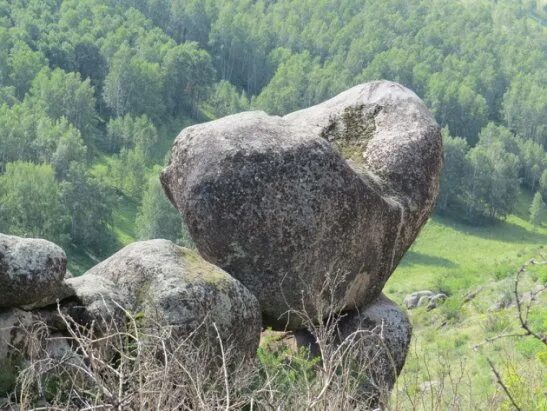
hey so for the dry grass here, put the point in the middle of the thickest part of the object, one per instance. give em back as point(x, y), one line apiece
point(131, 367)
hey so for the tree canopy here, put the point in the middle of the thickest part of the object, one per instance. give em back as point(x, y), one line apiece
point(92, 92)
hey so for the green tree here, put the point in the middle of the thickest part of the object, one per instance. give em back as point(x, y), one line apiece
point(17, 134)
point(7, 96)
point(453, 174)
point(132, 132)
point(525, 108)
point(90, 63)
point(59, 143)
point(457, 105)
point(129, 172)
point(536, 210)
point(189, 73)
point(30, 203)
point(134, 86)
point(157, 217)
point(89, 206)
point(543, 183)
point(492, 182)
point(225, 100)
point(60, 94)
point(24, 64)
point(289, 89)
point(534, 161)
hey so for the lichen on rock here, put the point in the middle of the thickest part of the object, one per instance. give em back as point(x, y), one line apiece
point(31, 270)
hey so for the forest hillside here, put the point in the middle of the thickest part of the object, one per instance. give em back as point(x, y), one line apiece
point(93, 93)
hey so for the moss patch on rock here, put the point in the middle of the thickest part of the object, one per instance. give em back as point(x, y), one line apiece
point(198, 268)
point(351, 132)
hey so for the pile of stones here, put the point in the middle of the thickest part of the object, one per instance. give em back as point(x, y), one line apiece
point(288, 214)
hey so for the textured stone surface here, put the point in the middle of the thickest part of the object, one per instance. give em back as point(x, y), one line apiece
point(424, 298)
point(412, 300)
point(162, 283)
point(340, 189)
point(30, 270)
point(386, 338)
point(13, 323)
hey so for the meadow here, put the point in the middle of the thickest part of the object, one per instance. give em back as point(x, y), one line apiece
point(447, 367)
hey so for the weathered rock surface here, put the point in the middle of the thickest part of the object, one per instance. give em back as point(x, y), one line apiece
point(164, 284)
point(386, 331)
point(379, 336)
point(30, 270)
point(340, 190)
point(13, 323)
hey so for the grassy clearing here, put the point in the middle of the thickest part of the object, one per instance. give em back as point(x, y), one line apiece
point(124, 220)
point(456, 256)
point(447, 367)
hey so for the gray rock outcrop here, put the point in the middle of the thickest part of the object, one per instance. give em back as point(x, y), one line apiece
point(424, 298)
point(379, 335)
point(31, 270)
point(337, 190)
point(164, 284)
point(386, 332)
point(14, 324)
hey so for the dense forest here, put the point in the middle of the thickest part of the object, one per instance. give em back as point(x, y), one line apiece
point(92, 92)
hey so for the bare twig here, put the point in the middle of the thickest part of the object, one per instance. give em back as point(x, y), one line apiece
point(502, 385)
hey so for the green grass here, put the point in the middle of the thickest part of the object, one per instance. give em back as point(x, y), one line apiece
point(463, 256)
point(124, 220)
point(457, 258)
point(79, 261)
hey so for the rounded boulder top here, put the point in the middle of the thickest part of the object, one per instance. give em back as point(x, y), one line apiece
point(31, 270)
point(164, 284)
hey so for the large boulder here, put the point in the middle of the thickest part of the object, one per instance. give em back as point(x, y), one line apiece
point(31, 270)
point(162, 284)
point(338, 190)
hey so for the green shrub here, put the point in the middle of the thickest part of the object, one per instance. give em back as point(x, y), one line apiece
point(497, 323)
point(8, 377)
point(452, 309)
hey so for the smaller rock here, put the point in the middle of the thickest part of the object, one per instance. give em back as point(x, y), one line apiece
point(31, 270)
point(381, 335)
point(162, 284)
point(413, 300)
point(436, 300)
point(429, 385)
point(386, 332)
